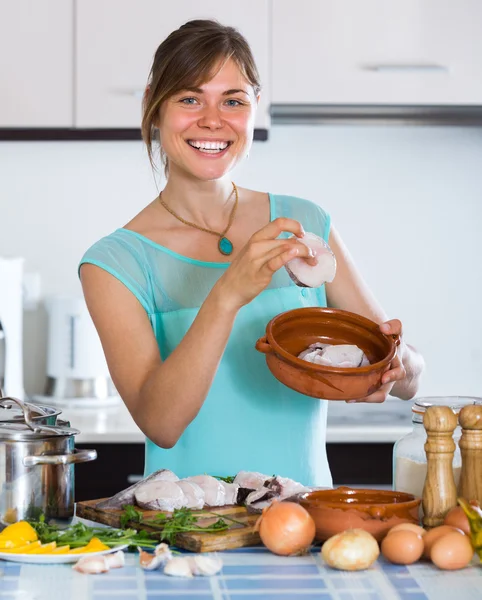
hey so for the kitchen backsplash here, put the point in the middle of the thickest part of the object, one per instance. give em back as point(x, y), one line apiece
point(407, 201)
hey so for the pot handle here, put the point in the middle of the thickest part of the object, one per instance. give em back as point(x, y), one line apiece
point(78, 456)
point(263, 346)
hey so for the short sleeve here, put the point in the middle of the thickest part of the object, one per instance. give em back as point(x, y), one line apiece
point(312, 217)
point(125, 262)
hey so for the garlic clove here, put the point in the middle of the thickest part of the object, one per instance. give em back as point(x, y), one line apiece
point(91, 564)
point(178, 567)
point(206, 565)
point(115, 560)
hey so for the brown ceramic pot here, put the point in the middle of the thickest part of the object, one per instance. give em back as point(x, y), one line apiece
point(375, 511)
point(291, 332)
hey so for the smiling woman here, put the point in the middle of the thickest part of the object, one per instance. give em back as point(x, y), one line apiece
point(181, 293)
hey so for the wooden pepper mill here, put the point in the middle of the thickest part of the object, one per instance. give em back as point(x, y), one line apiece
point(439, 492)
point(470, 484)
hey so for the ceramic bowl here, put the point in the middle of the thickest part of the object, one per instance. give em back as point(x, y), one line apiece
point(291, 332)
point(375, 511)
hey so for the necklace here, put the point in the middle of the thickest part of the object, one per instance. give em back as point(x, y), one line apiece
point(225, 246)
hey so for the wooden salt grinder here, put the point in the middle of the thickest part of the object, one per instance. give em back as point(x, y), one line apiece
point(470, 484)
point(439, 492)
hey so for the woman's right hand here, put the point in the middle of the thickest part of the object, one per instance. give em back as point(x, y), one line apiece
point(252, 269)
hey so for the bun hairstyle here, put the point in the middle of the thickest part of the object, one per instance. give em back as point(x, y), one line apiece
point(187, 58)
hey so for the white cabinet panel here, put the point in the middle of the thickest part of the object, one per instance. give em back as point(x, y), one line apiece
point(423, 52)
point(117, 39)
point(36, 63)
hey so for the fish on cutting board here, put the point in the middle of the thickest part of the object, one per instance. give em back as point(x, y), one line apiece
point(164, 491)
point(127, 496)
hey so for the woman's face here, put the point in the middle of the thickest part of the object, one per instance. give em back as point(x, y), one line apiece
point(206, 131)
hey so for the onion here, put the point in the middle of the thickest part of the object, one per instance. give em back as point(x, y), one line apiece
point(351, 550)
point(286, 528)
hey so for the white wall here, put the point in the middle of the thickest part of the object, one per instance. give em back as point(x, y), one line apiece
point(407, 200)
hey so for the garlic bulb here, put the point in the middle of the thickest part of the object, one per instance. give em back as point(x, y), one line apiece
point(351, 550)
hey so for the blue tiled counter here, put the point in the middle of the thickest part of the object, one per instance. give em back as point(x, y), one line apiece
point(249, 574)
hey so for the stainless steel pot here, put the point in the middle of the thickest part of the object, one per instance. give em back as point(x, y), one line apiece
point(11, 412)
point(37, 470)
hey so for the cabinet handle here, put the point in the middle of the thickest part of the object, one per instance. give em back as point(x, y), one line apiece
point(405, 68)
point(134, 478)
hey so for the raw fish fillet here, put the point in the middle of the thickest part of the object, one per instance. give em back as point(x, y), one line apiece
point(231, 491)
point(342, 355)
point(127, 496)
point(276, 488)
point(160, 495)
point(286, 488)
point(214, 490)
point(311, 348)
point(336, 355)
point(305, 275)
point(251, 479)
point(193, 492)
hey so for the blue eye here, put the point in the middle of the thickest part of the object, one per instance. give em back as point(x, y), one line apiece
point(233, 102)
point(188, 100)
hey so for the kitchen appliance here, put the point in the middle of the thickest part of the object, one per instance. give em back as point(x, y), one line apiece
point(37, 469)
point(76, 367)
point(11, 327)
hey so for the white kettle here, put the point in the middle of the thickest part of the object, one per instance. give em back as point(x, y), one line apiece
point(76, 365)
point(11, 327)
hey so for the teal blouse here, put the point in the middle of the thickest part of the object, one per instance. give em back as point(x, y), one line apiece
point(249, 420)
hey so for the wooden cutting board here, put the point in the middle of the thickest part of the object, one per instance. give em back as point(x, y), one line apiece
point(237, 536)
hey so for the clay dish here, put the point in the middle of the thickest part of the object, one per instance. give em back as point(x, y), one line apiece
point(291, 332)
point(375, 511)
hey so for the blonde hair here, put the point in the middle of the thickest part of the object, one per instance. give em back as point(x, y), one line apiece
point(187, 58)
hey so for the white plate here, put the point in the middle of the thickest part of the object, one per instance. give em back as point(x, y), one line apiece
point(54, 559)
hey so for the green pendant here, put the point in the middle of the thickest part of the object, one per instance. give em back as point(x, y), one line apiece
point(225, 246)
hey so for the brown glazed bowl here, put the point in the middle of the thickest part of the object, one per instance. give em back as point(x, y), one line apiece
point(291, 332)
point(375, 511)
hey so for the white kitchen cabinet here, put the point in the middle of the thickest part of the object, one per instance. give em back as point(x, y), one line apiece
point(116, 41)
point(36, 64)
point(374, 52)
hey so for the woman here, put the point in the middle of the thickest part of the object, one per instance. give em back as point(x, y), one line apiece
point(181, 293)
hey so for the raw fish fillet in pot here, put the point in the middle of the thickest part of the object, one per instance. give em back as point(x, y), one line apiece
point(290, 333)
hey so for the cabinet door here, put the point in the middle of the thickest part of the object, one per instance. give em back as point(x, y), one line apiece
point(36, 64)
point(423, 52)
point(117, 39)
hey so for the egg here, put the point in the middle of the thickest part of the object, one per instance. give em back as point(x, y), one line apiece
point(402, 547)
point(433, 535)
point(408, 527)
point(457, 518)
point(452, 551)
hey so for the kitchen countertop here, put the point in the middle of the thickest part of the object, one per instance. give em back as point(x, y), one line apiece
point(247, 574)
point(352, 423)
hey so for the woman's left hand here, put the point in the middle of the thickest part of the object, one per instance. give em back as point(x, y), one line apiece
point(396, 371)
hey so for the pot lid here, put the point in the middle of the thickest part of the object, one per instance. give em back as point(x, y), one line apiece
point(11, 412)
point(22, 432)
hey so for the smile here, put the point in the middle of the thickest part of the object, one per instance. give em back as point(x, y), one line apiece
point(209, 147)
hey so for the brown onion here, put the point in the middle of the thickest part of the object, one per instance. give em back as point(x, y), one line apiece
point(286, 528)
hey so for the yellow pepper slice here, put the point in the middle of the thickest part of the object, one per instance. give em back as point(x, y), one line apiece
point(61, 550)
point(44, 548)
point(17, 534)
point(95, 545)
point(23, 549)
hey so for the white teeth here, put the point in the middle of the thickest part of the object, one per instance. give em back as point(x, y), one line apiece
point(209, 146)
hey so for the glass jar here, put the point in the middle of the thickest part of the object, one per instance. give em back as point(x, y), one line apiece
point(409, 459)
